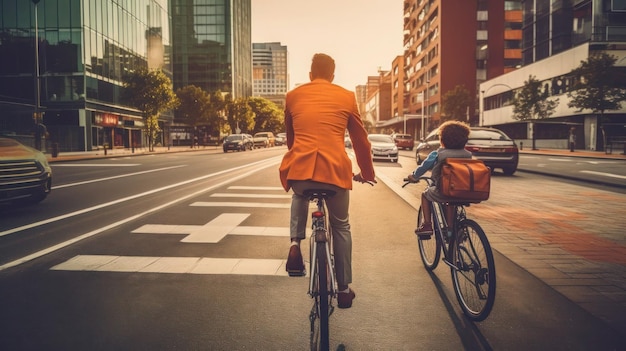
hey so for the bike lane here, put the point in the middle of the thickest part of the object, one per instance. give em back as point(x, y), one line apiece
point(560, 278)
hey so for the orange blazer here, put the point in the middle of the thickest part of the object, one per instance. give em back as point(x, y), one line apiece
point(317, 115)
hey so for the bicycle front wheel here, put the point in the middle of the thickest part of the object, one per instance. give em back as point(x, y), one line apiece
point(430, 249)
point(473, 271)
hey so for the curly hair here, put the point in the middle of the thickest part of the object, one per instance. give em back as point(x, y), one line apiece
point(454, 134)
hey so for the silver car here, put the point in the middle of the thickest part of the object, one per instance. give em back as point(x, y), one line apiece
point(383, 147)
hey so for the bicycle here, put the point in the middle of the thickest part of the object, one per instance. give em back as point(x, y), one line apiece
point(322, 280)
point(466, 250)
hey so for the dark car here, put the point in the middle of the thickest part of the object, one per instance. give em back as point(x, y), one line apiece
point(237, 142)
point(281, 139)
point(25, 175)
point(490, 145)
point(404, 141)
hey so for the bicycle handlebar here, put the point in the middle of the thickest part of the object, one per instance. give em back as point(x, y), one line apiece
point(361, 180)
point(407, 181)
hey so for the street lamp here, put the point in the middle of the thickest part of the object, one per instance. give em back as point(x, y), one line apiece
point(482, 101)
point(37, 88)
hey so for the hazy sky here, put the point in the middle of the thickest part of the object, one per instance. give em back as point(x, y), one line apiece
point(361, 35)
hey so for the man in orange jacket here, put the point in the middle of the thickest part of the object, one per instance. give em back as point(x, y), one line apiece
point(317, 115)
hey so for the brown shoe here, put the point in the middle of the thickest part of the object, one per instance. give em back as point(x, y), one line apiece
point(295, 264)
point(344, 300)
point(425, 231)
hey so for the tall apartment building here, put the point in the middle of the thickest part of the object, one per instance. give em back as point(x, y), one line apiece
point(212, 45)
point(269, 72)
point(557, 36)
point(450, 43)
point(83, 49)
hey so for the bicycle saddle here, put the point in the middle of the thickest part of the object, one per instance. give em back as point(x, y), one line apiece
point(313, 193)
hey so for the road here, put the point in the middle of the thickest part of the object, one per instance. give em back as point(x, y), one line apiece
point(186, 251)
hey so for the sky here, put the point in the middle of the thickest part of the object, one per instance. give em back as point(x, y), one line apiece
point(362, 36)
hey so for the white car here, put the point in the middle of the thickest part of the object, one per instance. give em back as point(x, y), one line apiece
point(383, 147)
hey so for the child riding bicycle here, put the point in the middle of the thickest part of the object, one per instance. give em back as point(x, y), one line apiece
point(453, 136)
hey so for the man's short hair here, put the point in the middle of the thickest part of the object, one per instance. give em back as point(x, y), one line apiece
point(322, 66)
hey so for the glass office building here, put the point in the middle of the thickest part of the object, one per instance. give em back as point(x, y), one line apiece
point(84, 49)
point(212, 45)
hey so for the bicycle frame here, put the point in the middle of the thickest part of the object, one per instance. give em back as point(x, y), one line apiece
point(321, 234)
point(322, 280)
point(447, 233)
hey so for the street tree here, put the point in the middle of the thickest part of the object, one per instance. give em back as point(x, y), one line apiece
point(267, 115)
point(194, 107)
point(239, 115)
point(149, 91)
point(533, 103)
point(455, 104)
point(216, 111)
point(598, 85)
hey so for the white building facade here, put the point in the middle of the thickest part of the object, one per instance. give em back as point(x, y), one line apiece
point(595, 26)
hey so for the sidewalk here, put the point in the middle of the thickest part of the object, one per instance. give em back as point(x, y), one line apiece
point(576, 153)
point(88, 155)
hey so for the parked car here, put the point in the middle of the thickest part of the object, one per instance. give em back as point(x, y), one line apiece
point(281, 139)
point(404, 141)
point(25, 175)
point(264, 139)
point(490, 145)
point(237, 142)
point(383, 147)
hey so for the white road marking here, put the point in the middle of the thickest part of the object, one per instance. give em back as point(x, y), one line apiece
point(236, 187)
point(215, 230)
point(189, 265)
point(604, 174)
point(95, 164)
point(76, 239)
point(114, 177)
point(257, 196)
point(132, 197)
point(241, 204)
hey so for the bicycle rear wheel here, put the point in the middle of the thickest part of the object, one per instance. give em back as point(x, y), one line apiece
point(430, 249)
point(320, 312)
point(474, 276)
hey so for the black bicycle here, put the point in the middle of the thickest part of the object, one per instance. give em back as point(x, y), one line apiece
point(466, 251)
point(322, 282)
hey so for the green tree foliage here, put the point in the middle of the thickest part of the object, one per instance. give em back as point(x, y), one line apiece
point(267, 115)
point(194, 105)
point(151, 93)
point(533, 102)
point(455, 104)
point(216, 112)
point(239, 115)
point(598, 85)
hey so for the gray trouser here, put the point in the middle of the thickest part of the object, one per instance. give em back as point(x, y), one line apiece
point(338, 216)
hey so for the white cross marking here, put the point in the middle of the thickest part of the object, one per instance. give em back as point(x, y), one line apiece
point(215, 230)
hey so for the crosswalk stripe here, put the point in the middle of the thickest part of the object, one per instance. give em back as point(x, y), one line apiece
point(241, 204)
point(258, 196)
point(180, 265)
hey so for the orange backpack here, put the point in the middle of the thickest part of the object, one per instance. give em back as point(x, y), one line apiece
point(465, 179)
